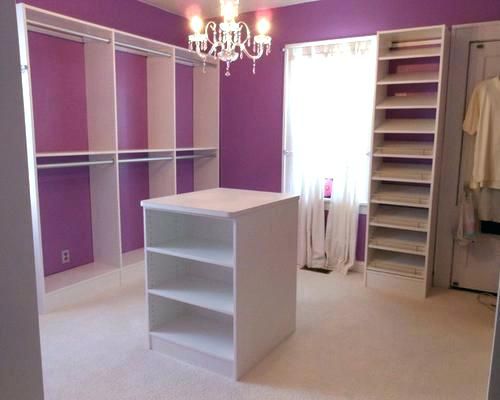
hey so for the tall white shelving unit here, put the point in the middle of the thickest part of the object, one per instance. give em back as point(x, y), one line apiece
point(111, 267)
point(406, 149)
point(221, 276)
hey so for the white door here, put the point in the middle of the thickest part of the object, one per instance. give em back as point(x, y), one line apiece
point(477, 266)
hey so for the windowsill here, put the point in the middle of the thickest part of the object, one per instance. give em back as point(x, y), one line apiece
point(363, 207)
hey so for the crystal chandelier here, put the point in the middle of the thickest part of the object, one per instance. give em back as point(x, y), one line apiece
point(230, 39)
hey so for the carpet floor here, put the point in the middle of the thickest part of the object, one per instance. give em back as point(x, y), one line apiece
point(350, 343)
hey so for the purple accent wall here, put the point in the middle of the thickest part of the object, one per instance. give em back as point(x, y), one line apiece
point(66, 217)
point(132, 101)
point(184, 125)
point(251, 117)
point(134, 187)
point(361, 238)
point(252, 106)
point(59, 99)
point(127, 15)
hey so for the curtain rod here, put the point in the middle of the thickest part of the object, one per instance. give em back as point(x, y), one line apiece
point(66, 31)
point(330, 41)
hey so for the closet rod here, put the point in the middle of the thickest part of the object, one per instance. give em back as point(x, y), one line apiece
point(74, 164)
point(143, 49)
point(191, 157)
point(137, 160)
point(191, 63)
point(67, 31)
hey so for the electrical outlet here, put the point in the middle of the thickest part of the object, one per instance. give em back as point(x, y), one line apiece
point(65, 257)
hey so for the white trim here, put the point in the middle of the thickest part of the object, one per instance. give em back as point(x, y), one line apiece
point(330, 41)
point(475, 25)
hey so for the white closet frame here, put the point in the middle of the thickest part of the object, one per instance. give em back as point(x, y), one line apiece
point(401, 224)
point(111, 268)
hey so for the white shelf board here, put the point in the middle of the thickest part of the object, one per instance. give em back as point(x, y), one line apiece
point(397, 241)
point(197, 249)
point(134, 151)
point(407, 126)
point(404, 218)
point(210, 294)
point(403, 149)
point(199, 333)
point(399, 264)
point(397, 172)
point(417, 52)
point(410, 101)
point(77, 275)
point(403, 195)
point(74, 153)
point(409, 78)
point(134, 257)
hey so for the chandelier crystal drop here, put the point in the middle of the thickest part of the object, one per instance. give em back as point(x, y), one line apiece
point(230, 40)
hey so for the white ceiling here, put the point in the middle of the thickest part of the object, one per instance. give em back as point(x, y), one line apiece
point(211, 8)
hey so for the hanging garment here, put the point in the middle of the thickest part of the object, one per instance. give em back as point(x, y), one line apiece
point(488, 204)
point(483, 121)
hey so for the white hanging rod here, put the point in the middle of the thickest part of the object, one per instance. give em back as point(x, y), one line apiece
point(74, 164)
point(191, 157)
point(143, 49)
point(138, 160)
point(67, 31)
point(191, 63)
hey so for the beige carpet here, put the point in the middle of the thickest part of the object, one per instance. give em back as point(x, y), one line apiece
point(351, 343)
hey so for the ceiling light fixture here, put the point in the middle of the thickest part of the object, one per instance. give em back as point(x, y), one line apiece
point(230, 40)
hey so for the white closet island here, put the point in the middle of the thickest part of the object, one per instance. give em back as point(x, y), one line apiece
point(221, 276)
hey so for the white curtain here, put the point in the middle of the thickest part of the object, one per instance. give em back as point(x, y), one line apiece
point(329, 108)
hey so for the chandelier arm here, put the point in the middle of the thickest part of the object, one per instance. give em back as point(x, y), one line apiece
point(253, 57)
point(212, 25)
point(243, 26)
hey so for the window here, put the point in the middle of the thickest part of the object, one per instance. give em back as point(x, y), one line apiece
point(329, 103)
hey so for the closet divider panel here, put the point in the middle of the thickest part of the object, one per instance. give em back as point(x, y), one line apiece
point(206, 125)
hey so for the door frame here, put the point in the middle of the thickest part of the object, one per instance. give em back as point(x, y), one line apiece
point(461, 38)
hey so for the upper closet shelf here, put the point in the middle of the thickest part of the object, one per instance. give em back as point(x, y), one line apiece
point(405, 242)
point(408, 78)
point(410, 101)
point(140, 151)
point(407, 126)
point(396, 172)
point(404, 150)
point(412, 219)
point(74, 153)
point(402, 195)
point(196, 149)
point(418, 52)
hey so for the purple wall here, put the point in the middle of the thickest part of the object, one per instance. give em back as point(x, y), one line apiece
point(59, 99)
point(66, 217)
point(184, 125)
point(127, 15)
point(134, 187)
point(132, 101)
point(251, 116)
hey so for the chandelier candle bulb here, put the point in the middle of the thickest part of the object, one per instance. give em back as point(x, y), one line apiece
point(232, 40)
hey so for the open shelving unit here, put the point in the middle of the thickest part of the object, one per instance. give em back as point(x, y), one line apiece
point(122, 152)
point(201, 293)
point(408, 124)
